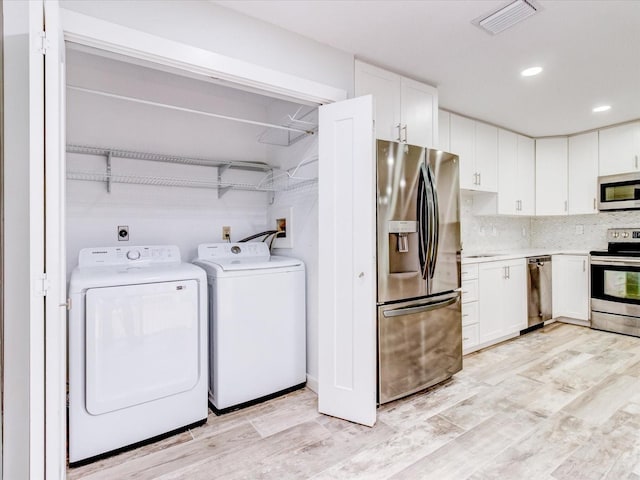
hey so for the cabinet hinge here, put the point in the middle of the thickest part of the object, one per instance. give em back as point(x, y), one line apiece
point(42, 285)
point(44, 42)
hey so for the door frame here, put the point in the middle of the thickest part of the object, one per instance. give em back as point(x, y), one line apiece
point(91, 32)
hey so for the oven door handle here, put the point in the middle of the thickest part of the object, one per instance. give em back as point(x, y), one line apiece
point(616, 261)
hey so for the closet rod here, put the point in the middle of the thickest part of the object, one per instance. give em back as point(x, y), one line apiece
point(188, 110)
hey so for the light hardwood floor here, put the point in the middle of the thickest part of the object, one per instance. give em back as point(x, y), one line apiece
point(559, 403)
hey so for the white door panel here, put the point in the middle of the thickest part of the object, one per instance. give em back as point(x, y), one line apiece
point(142, 343)
point(347, 331)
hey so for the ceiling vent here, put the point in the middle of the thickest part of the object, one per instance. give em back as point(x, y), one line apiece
point(507, 16)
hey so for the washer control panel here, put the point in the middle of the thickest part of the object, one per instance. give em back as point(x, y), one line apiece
point(104, 256)
point(233, 250)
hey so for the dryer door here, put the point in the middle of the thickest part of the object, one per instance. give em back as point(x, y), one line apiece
point(142, 343)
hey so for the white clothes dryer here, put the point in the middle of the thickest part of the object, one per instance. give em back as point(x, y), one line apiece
point(257, 317)
point(137, 347)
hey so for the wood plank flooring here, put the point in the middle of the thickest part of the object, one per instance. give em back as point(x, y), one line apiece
point(559, 403)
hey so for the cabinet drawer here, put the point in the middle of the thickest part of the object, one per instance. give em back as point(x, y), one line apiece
point(469, 271)
point(469, 313)
point(469, 291)
point(470, 336)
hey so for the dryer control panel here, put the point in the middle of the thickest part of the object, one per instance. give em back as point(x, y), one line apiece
point(219, 251)
point(102, 256)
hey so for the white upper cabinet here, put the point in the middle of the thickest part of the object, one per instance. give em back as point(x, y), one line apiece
point(476, 144)
point(527, 175)
point(486, 157)
point(583, 173)
point(405, 110)
point(619, 149)
point(418, 113)
point(551, 176)
point(516, 174)
point(443, 142)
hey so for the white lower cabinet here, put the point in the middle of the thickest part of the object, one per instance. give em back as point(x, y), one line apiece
point(470, 328)
point(502, 299)
point(570, 284)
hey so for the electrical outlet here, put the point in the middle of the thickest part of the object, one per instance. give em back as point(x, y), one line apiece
point(123, 233)
point(226, 233)
point(281, 227)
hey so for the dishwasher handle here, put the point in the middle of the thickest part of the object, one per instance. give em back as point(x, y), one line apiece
point(540, 261)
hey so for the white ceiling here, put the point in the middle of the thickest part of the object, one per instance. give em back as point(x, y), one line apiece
point(589, 49)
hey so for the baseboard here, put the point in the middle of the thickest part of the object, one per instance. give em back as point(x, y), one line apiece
point(312, 383)
point(574, 321)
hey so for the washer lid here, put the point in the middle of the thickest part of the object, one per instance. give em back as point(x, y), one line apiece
point(254, 263)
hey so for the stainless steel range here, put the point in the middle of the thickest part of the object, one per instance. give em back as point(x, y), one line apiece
point(615, 283)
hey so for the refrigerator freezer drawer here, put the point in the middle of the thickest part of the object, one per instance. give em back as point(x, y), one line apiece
point(419, 344)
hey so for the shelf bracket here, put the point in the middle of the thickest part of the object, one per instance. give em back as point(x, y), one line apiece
point(109, 172)
point(221, 170)
point(222, 191)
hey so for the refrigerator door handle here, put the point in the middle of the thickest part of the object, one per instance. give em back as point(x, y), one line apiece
point(421, 211)
point(435, 223)
point(421, 308)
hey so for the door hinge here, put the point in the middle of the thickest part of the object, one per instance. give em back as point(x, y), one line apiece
point(42, 285)
point(44, 43)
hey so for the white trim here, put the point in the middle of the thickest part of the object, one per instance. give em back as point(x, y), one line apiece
point(55, 255)
point(312, 383)
point(96, 33)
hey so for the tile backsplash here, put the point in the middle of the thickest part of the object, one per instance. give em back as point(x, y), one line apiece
point(581, 232)
point(482, 233)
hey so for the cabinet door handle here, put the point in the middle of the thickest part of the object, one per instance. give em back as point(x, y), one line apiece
point(594, 203)
point(479, 178)
point(584, 265)
point(399, 127)
point(566, 205)
point(636, 161)
point(405, 133)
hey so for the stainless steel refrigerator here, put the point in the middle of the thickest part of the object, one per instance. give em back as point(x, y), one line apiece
point(418, 237)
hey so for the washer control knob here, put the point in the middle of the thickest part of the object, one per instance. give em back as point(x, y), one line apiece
point(625, 234)
point(133, 254)
point(235, 249)
point(615, 234)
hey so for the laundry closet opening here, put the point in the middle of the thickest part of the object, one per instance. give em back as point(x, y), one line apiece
point(160, 156)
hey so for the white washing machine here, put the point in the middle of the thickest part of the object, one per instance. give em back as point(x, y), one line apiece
point(257, 344)
point(137, 347)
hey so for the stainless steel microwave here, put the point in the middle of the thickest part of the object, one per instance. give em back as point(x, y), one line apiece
point(619, 192)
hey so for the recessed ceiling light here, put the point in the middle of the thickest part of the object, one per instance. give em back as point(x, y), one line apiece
point(602, 108)
point(530, 72)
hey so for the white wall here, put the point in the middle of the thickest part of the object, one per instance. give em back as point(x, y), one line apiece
point(303, 203)
point(209, 26)
point(22, 316)
point(217, 29)
point(158, 214)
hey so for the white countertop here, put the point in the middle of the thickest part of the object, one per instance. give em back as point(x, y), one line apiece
point(492, 256)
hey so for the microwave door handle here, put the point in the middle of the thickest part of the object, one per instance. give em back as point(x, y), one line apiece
point(435, 221)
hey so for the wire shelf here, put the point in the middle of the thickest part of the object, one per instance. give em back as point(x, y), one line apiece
point(273, 181)
point(159, 157)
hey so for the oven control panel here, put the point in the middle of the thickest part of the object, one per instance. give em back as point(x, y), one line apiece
point(623, 235)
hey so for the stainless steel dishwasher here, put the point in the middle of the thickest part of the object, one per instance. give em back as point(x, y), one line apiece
point(539, 290)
